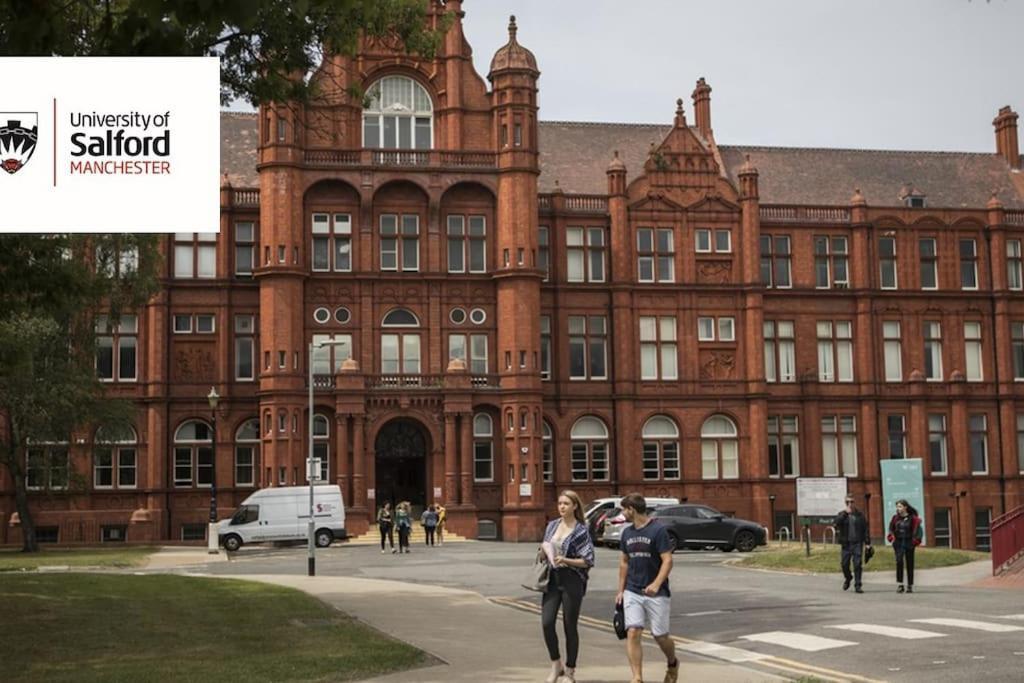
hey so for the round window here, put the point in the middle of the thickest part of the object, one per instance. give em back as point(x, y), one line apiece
point(342, 315)
point(321, 315)
point(457, 316)
point(477, 316)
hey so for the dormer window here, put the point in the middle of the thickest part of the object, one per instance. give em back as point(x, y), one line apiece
point(915, 202)
point(398, 115)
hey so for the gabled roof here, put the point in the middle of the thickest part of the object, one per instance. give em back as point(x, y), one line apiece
point(577, 154)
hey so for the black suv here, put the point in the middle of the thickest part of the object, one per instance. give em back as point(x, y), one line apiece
point(694, 527)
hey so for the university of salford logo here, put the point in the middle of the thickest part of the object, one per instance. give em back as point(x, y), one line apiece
point(19, 132)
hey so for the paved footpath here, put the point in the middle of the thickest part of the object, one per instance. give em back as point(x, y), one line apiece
point(476, 639)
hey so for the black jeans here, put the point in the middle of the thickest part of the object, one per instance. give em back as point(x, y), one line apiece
point(430, 534)
point(855, 552)
point(403, 536)
point(386, 533)
point(904, 554)
point(565, 589)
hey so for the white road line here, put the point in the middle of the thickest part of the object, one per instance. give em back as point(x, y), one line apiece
point(703, 614)
point(734, 655)
point(798, 641)
point(890, 631)
point(967, 623)
point(1012, 616)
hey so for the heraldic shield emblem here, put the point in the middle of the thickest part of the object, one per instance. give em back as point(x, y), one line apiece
point(19, 132)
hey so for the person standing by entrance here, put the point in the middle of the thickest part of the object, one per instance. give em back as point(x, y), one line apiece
point(905, 534)
point(429, 521)
point(852, 530)
point(573, 557)
point(644, 567)
point(386, 525)
point(403, 521)
point(442, 518)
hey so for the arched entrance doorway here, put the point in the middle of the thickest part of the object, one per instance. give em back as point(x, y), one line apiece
point(401, 463)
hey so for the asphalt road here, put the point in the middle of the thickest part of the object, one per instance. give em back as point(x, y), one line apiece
point(877, 635)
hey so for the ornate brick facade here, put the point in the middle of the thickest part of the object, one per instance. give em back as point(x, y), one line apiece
point(607, 275)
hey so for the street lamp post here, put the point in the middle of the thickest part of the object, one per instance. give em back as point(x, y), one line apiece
point(771, 521)
point(212, 541)
point(310, 540)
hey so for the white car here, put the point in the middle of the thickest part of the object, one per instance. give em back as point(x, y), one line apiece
point(282, 514)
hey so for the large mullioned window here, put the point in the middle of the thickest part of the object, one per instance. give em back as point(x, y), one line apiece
point(398, 115)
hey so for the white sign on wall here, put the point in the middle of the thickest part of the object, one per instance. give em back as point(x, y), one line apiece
point(110, 144)
point(526, 490)
point(820, 496)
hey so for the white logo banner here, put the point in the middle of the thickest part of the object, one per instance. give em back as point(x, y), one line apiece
point(110, 144)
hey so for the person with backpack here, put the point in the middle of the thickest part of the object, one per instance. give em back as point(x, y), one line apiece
point(905, 534)
point(403, 520)
point(429, 521)
point(386, 525)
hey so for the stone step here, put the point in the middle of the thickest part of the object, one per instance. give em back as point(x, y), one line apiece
point(417, 536)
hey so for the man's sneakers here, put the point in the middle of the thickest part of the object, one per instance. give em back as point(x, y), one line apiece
point(858, 589)
point(846, 584)
point(899, 588)
point(910, 589)
point(672, 673)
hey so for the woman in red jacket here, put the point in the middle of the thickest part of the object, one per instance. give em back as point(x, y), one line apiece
point(905, 534)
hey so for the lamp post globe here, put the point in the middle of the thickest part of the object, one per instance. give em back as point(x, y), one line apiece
point(212, 540)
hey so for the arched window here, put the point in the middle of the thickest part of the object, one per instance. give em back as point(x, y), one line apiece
point(401, 317)
point(719, 449)
point(322, 446)
point(115, 451)
point(661, 448)
point(400, 353)
point(548, 452)
point(589, 455)
point(483, 447)
point(398, 115)
point(247, 448)
point(193, 454)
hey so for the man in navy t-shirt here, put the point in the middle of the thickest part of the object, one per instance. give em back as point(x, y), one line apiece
point(643, 585)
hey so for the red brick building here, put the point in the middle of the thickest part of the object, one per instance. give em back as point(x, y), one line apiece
point(515, 307)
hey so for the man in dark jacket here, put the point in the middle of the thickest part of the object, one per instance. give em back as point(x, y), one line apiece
point(852, 531)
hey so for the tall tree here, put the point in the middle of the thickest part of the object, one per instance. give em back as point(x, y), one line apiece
point(53, 287)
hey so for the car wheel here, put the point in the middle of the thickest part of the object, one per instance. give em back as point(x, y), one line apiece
point(232, 543)
point(745, 541)
point(726, 548)
point(673, 541)
point(323, 538)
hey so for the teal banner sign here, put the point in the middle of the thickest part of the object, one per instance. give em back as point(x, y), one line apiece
point(902, 479)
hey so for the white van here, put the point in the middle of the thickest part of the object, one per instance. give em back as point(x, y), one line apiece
point(282, 514)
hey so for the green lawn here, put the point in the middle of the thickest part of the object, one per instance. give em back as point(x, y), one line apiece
point(125, 556)
point(103, 627)
point(825, 559)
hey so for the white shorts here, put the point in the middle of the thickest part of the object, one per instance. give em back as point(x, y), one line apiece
point(641, 610)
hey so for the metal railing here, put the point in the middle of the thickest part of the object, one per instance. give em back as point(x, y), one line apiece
point(1007, 539)
point(406, 158)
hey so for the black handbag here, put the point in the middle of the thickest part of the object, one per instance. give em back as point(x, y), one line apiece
point(619, 621)
point(539, 575)
point(869, 552)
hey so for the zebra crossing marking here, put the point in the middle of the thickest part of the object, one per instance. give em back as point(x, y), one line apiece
point(970, 624)
point(798, 641)
point(890, 631)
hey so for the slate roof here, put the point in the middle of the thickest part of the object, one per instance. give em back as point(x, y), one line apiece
point(577, 154)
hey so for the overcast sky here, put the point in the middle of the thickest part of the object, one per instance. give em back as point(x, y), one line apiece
point(872, 74)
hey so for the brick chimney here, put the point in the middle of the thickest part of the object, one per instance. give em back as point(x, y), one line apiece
point(1006, 137)
point(702, 107)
